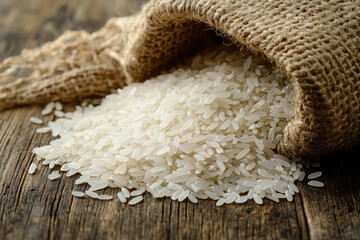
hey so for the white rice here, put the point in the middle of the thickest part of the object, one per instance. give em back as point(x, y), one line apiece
point(302, 176)
point(48, 109)
point(220, 202)
point(54, 175)
point(314, 183)
point(289, 195)
point(59, 114)
point(241, 199)
point(36, 120)
point(98, 186)
point(208, 131)
point(78, 194)
point(314, 175)
point(272, 198)
point(192, 198)
point(257, 199)
point(121, 197)
point(58, 106)
point(105, 197)
point(92, 194)
point(135, 200)
point(137, 192)
point(32, 168)
point(125, 192)
point(43, 130)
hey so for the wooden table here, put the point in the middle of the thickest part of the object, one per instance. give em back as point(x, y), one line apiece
point(33, 207)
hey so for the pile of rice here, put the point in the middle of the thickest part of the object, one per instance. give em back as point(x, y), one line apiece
point(207, 130)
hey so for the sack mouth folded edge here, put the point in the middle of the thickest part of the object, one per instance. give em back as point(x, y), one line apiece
point(303, 134)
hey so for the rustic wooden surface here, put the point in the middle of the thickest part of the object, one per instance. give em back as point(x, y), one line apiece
point(32, 207)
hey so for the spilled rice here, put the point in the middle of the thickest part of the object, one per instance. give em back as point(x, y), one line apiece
point(206, 131)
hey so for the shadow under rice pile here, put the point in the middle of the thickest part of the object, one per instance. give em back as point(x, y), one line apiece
point(207, 129)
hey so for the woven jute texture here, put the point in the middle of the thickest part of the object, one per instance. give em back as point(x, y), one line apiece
point(316, 43)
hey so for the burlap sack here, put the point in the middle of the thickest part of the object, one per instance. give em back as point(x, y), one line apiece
point(317, 44)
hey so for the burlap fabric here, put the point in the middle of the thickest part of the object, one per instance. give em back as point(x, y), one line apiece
point(316, 43)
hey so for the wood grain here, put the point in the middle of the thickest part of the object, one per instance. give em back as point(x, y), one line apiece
point(33, 207)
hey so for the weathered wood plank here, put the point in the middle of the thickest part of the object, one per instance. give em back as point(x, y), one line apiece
point(33, 207)
point(334, 212)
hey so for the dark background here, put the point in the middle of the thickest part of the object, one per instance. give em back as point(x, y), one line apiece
point(32, 207)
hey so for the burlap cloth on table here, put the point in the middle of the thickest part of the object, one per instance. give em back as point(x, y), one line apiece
point(317, 44)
